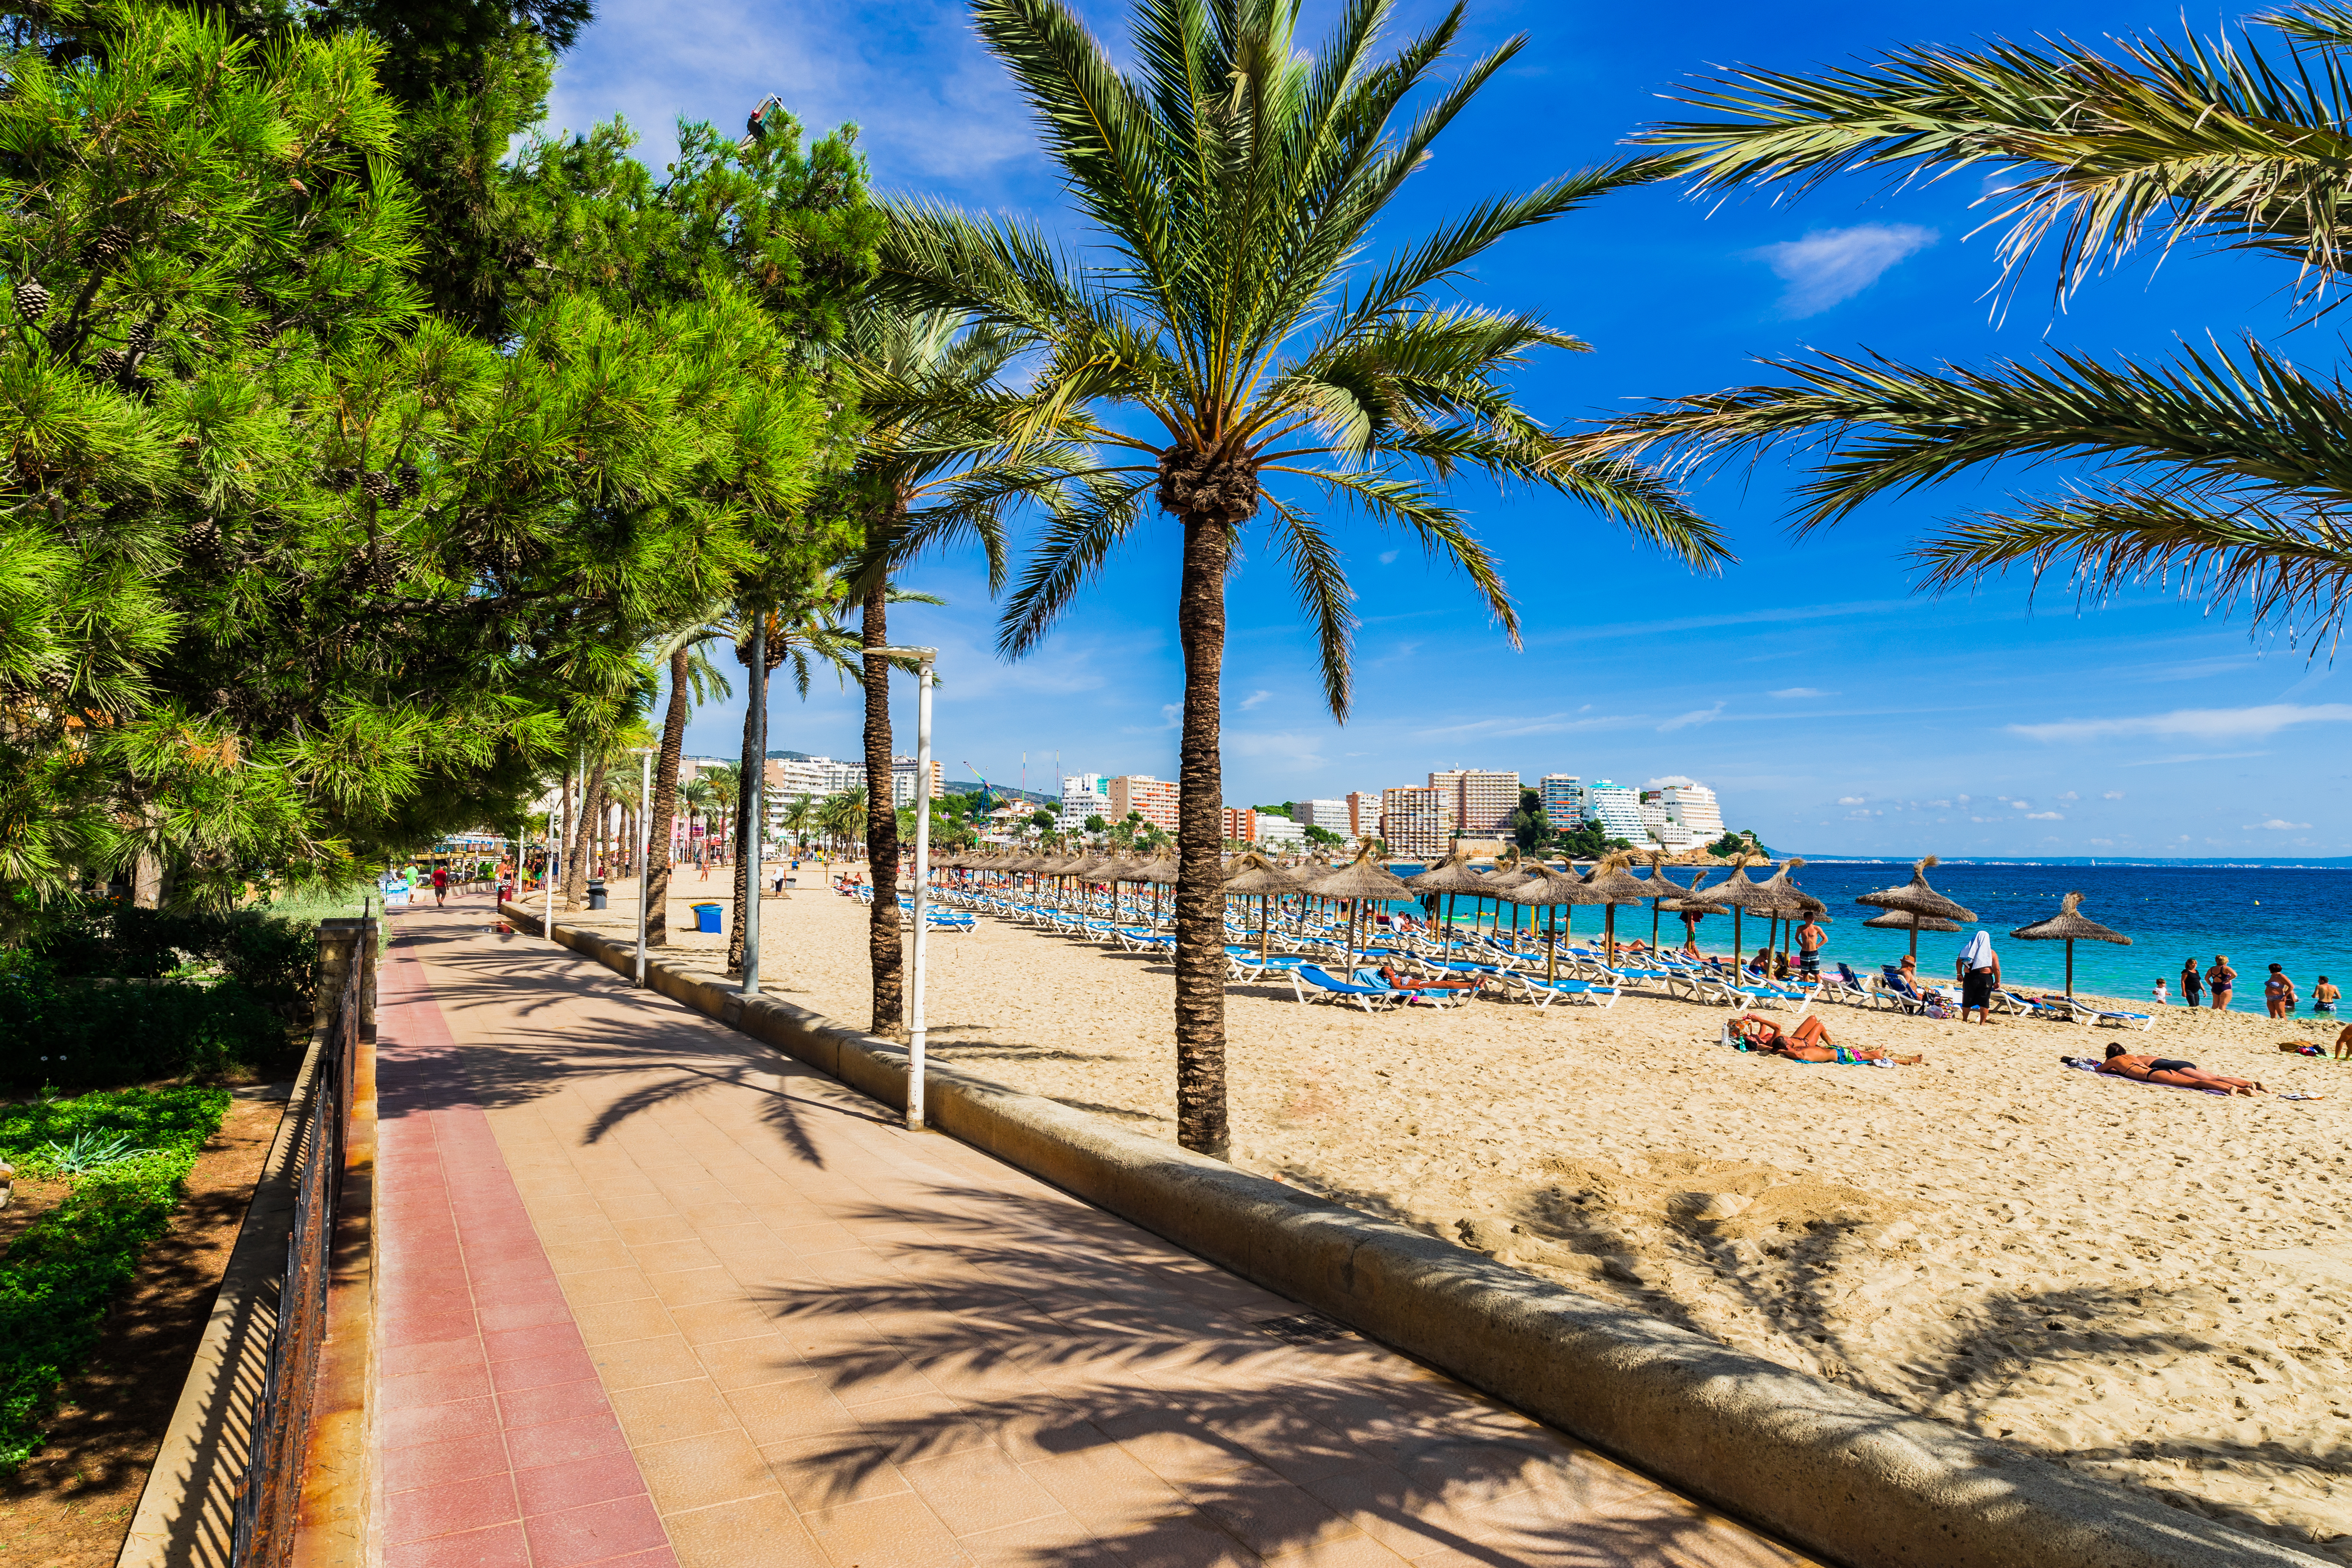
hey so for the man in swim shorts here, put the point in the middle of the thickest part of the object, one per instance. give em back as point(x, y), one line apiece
point(2142, 1069)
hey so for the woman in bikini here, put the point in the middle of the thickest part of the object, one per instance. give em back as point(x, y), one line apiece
point(1809, 1042)
point(2143, 1069)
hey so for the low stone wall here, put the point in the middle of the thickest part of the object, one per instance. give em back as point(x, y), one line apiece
point(1847, 1479)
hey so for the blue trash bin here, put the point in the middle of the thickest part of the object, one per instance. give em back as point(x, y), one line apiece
point(706, 918)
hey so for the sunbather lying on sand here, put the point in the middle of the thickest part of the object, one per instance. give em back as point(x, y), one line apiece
point(2146, 1069)
point(1809, 1042)
point(1409, 983)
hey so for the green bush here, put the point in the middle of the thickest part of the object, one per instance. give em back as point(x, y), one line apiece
point(59, 1277)
point(79, 1033)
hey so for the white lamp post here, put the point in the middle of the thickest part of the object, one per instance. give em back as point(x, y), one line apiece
point(645, 847)
point(926, 659)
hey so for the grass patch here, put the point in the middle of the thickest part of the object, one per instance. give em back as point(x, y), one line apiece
point(60, 1274)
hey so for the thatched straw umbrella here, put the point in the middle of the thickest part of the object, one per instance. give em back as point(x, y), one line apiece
point(1900, 920)
point(1543, 888)
point(1789, 900)
point(1253, 873)
point(1357, 880)
point(1450, 876)
point(2070, 928)
point(1611, 884)
point(1738, 895)
point(1664, 890)
point(1918, 899)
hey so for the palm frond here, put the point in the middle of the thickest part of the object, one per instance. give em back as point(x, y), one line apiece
point(1324, 598)
point(1070, 550)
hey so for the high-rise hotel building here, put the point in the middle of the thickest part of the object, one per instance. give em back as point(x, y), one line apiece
point(1483, 800)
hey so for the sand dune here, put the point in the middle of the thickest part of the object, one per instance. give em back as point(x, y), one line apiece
point(2146, 1284)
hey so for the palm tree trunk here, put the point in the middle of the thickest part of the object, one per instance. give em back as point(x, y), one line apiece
point(575, 872)
point(882, 949)
point(1200, 831)
point(748, 778)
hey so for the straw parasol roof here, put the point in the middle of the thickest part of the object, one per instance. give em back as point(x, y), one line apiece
point(1253, 873)
point(1360, 879)
point(1903, 920)
point(1452, 875)
point(1918, 897)
point(1735, 892)
point(1541, 886)
point(2066, 925)
point(1163, 871)
point(1612, 883)
point(1787, 899)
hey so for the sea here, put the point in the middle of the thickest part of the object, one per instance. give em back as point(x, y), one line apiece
point(2297, 916)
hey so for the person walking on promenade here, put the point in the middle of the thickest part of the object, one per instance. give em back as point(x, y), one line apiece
point(2220, 980)
point(2192, 984)
point(2278, 993)
point(1810, 939)
point(441, 885)
point(1978, 973)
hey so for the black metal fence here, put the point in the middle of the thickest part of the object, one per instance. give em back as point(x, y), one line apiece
point(270, 1501)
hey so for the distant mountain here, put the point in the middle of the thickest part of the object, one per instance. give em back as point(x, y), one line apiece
point(789, 757)
point(1002, 792)
point(2321, 862)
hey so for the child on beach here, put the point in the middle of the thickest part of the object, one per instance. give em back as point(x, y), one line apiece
point(2161, 999)
point(2323, 996)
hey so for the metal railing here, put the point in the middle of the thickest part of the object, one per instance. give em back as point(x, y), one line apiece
point(270, 1501)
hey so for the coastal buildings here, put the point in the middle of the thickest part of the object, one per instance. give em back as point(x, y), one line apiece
point(1331, 815)
point(1363, 813)
point(1083, 796)
point(1418, 824)
point(821, 777)
point(1693, 807)
point(1241, 823)
point(1483, 800)
point(1154, 798)
point(1618, 809)
point(1563, 799)
point(1281, 835)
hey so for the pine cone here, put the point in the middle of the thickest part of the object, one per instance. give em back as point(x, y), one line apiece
point(111, 364)
point(409, 480)
point(340, 481)
point(385, 575)
point(142, 339)
point(108, 243)
point(202, 540)
point(380, 486)
point(32, 300)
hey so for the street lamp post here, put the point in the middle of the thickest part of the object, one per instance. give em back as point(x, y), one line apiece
point(749, 832)
point(926, 659)
point(645, 847)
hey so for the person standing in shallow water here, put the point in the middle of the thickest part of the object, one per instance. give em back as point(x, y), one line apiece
point(2220, 980)
point(2192, 984)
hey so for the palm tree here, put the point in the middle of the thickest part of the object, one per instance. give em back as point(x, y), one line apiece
point(2227, 464)
point(696, 794)
point(799, 818)
point(726, 782)
point(1235, 183)
point(693, 680)
point(843, 815)
point(942, 458)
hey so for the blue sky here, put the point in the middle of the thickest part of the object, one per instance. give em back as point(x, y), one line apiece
point(1833, 709)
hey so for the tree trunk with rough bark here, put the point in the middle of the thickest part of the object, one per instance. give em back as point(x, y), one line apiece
point(753, 774)
point(882, 942)
point(575, 870)
point(665, 802)
point(1201, 1125)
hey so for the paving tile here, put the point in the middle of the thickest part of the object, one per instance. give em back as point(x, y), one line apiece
point(977, 1490)
point(696, 1472)
point(773, 1412)
point(594, 1532)
point(832, 1468)
point(901, 1531)
point(762, 1530)
point(458, 1354)
point(692, 1286)
point(641, 1363)
point(540, 1339)
point(671, 1255)
point(613, 1321)
point(712, 1322)
point(551, 1489)
point(439, 1464)
point(449, 1509)
point(563, 1442)
point(669, 1410)
point(440, 1422)
point(541, 1371)
point(748, 1362)
point(552, 1402)
point(501, 1546)
point(441, 1386)
point(1108, 1488)
point(1055, 1537)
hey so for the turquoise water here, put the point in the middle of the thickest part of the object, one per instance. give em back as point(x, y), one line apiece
point(2294, 916)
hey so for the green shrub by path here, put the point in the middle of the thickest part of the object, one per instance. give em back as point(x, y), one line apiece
point(60, 1274)
point(75, 1035)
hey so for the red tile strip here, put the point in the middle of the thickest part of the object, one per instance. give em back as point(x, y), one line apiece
point(500, 1450)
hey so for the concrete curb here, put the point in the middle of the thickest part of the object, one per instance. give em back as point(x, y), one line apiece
point(1845, 1478)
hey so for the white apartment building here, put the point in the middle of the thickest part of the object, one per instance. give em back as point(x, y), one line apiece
point(1417, 823)
point(1083, 796)
point(1618, 809)
point(902, 780)
point(1694, 807)
point(1331, 815)
point(1563, 799)
point(1283, 835)
point(1483, 800)
point(1154, 798)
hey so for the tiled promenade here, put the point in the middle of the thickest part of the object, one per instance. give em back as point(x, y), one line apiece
point(652, 1295)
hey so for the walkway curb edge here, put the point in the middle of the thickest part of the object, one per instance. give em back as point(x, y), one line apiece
point(1847, 1479)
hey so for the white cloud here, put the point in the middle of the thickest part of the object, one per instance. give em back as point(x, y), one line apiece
point(1800, 691)
point(1830, 265)
point(1960, 799)
point(1944, 805)
point(1254, 699)
point(2255, 724)
point(2276, 826)
point(2112, 795)
point(1672, 781)
point(2069, 795)
point(1695, 716)
point(1848, 800)
point(2019, 804)
point(2192, 757)
point(2104, 843)
point(1387, 557)
point(2045, 816)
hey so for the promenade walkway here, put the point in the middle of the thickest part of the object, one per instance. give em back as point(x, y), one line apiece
point(652, 1295)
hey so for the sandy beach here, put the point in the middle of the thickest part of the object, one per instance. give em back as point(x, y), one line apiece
point(2146, 1284)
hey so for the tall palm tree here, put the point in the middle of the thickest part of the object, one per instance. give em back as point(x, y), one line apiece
point(946, 451)
point(693, 680)
point(698, 796)
point(1250, 362)
point(2228, 463)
